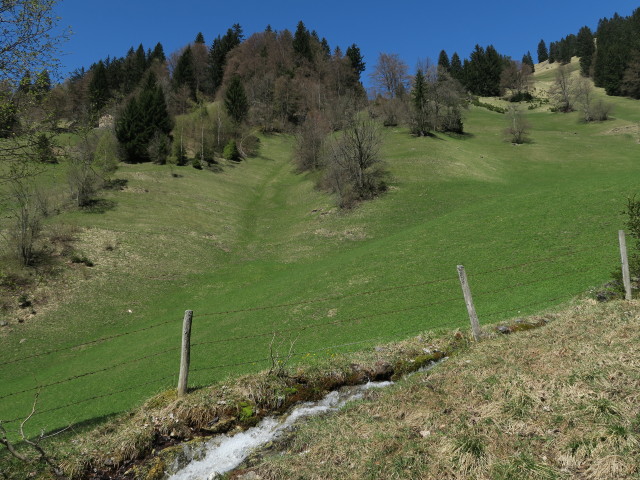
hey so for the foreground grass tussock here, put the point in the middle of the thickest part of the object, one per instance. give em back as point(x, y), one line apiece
point(557, 402)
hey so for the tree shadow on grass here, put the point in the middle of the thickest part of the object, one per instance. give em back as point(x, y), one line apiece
point(99, 205)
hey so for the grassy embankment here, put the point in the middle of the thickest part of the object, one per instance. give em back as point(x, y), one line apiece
point(558, 402)
point(258, 234)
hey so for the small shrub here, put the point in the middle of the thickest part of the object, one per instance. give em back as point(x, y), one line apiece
point(195, 163)
point(231, 151)
point(521, 97)
point(78, 258)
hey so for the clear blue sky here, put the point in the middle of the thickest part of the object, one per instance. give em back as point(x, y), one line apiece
point(413, 29)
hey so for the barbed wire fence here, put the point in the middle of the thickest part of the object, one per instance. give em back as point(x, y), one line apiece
point(316, 332)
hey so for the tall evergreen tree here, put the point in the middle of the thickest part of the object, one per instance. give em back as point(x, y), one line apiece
point(235, 101)
point(99, 92)
point(543, 53)
point(326, 49)
point(443, 61)
point(585, 48)
point(302, 42)
point(356, 59)
point(143, 117)
point(419, 101)
point(199, 38)
point(218, 52)
point(158, 53)
point(184, 73)
point(527, 59)
point(456, 69)
point(554, 54)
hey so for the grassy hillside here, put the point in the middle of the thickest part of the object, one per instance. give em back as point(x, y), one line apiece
point(559, 402)
point(534, 225)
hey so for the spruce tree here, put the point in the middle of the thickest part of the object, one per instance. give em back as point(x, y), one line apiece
point(184, 73)
point(218, 52)
point(419, 101)
point(554, 54)
point(302, 42)
point(585, 48)
point(143, 118)
point(158, 54)
point(199, 38)
point(456, 70)
point(235, 101)
point(356, 58)
point(98, 88)
point(543, 53)
point(326, 49)
point(527, 59)
point(443, 61)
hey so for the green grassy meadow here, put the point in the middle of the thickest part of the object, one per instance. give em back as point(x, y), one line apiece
point(535, 225)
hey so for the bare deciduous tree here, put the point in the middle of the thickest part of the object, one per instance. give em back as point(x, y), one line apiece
point(517, 125)
point(561, 92)
point(354, 167)
point(390, 75)
point(593, 110)
point(310, 142)
point(516, 80)
point(26, 221)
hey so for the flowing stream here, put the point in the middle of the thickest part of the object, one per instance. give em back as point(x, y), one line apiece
point(224, 453)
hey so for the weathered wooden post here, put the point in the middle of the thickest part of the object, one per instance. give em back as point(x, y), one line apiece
point(626, 278)
point(185, 356)
point(473, 317)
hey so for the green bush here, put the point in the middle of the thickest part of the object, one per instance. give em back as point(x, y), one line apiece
point(231, 151)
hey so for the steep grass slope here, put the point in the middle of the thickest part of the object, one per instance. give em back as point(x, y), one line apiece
point(533, 224)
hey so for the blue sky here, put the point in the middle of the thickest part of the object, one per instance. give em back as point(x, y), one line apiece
point(413, 29)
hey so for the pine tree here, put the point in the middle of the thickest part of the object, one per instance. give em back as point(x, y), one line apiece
point(543, 53)
point(128, 128)
point(143, 118)
point(456, 70)
point(235, 101)
point(302, 42)
point(585, 48)
point(199, 38)
point(554, 54)
point(218, 52)
point(184, 73)
point(356, 59)
point(98, 88)
point(158, 53)
point(326, 49)
point(527, 59)
point(419, 101)
point(443, 61)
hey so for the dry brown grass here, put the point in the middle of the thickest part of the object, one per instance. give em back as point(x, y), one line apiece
point(559, 402)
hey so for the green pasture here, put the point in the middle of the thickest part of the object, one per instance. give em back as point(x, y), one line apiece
point(535, 225)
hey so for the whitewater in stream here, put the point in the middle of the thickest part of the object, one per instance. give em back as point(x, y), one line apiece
point(224, 453)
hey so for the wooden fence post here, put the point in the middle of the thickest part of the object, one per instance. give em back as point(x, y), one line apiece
point(473, 317)
point(626, 278)
point(185, 356)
